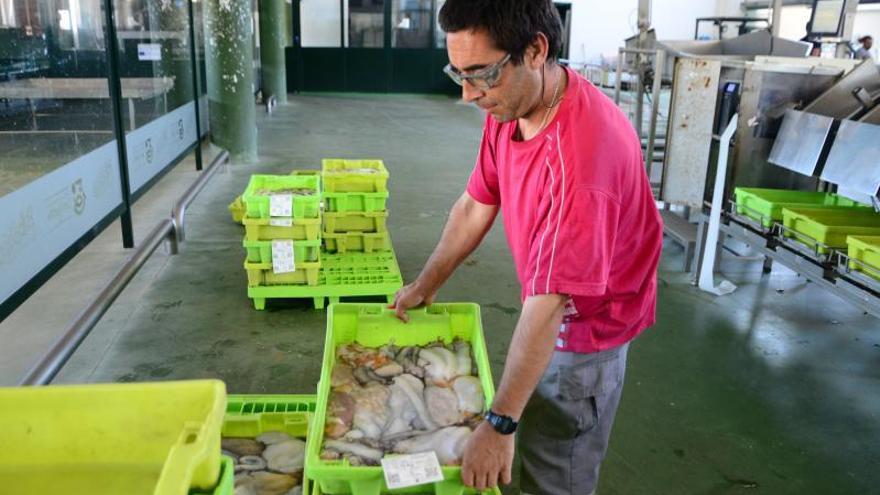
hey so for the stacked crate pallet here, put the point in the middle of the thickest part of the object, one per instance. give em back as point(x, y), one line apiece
point(349, 237)
point(282, 231)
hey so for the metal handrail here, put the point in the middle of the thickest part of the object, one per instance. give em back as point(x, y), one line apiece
point(76, 332)
point(179, 209)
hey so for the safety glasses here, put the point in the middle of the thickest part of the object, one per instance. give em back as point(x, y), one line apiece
point(483, 79)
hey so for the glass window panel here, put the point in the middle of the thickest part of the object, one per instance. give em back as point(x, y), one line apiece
point(439, 35)
point(320, 23)
point(154, 58)
point(59, 169)
point(155, 66)
point(365, 23)
point(412, 23)
point(54, 98)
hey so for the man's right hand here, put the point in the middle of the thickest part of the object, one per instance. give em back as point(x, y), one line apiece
point(410, 296)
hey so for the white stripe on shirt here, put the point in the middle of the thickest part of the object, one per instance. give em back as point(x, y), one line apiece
point(547, 228)
point(561, 207)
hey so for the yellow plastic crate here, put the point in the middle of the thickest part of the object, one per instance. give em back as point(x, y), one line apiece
point(820, 227)
point(354, 175)
point(338, 223)
point(867, 250)
point(261, 274)
point(138, 438)
point(300, 229)
point(237, 209)
point(356, 241)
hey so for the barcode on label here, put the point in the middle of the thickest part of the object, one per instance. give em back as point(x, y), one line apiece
point(411, 470)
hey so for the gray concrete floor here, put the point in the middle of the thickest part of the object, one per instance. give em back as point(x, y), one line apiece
point(772, 389)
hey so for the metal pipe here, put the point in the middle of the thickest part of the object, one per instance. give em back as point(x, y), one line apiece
point(48, 367)
point(644, 20)
point(168, 228)
point(620, 58)
point(179, 209)
point(655, 110)
point(776, 22)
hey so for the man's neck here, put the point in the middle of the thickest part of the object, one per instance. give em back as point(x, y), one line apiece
point(555, 83)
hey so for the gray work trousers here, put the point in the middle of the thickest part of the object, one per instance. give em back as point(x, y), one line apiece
point(564, 432)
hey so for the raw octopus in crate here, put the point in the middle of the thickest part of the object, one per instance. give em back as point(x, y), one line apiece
point(271, 464)
point(402, 400)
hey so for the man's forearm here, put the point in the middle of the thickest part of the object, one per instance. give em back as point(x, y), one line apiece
point(531, 350)
point(467, 225)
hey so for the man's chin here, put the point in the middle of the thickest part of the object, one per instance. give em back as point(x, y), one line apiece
point(500, 118)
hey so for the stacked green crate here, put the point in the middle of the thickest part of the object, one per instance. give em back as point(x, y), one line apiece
point(282, 230)
point(343, 251)
point(356, 195)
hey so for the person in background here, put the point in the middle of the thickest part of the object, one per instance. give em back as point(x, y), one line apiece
point(816, 49)
point(864, 52)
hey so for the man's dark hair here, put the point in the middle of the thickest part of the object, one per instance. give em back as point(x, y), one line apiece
point(512, 24)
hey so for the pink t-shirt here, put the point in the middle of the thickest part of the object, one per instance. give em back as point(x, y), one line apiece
point(579, 215)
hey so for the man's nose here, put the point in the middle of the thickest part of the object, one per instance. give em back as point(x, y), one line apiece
point(469, 92)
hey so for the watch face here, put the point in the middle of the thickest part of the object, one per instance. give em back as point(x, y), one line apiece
point(502, 424)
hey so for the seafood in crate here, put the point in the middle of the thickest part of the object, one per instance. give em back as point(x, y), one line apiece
point(402, 400)
point(270, 464)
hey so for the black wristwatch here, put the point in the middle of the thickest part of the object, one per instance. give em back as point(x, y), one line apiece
point(504, 425)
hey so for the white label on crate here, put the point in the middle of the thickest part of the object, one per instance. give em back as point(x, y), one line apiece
point(281, 205)
point(411, 470)
point(281, 222)
point(282, 257)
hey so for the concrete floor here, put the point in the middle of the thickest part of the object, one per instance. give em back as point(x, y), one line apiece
point(772, 389)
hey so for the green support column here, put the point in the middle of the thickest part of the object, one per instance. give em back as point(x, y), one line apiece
point(229, 60)
point(273, 38)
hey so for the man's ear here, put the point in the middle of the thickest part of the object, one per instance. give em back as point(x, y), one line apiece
point(536, 52)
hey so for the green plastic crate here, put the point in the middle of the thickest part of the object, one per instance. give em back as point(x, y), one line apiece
point(340, 175)
point(303, 251)
point(226, 483)
point(135, 438)
point(374, 325)
point(766, 205)
point(248, 416)
point(867, 250)
point(341, 276)
point(300, 229)
point(355, 202)
point(356, 241)
point(815, 226)
point(303, 206)
point(261, 274)
point(340, 223)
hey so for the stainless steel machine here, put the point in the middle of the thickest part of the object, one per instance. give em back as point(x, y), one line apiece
point(756, 111)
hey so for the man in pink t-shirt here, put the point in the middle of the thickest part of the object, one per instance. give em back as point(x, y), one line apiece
point(565, 168)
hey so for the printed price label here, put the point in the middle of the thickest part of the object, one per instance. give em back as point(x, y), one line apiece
point(281, 205)
point(282, 257)
point(281, 222)
point(411, 470)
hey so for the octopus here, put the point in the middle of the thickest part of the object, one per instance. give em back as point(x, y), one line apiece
point(292, 192)
point(403, 400)
point(448, 443)
point(271, 464)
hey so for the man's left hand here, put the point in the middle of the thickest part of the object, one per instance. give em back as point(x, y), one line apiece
point(488, 458)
